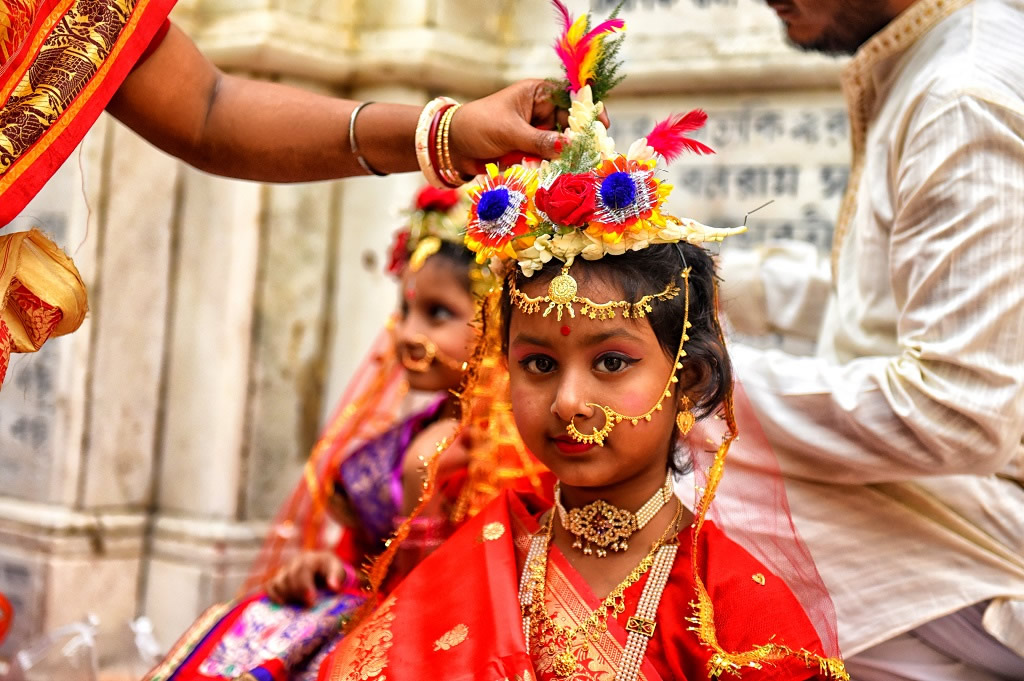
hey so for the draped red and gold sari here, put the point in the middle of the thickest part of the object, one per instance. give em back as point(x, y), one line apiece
point(61, 61)
point(457, 616)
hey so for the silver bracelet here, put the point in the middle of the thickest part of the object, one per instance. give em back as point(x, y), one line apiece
point(370, 170)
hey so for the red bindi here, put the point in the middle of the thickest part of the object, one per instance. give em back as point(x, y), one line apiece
point(566, 330)
point(410, 294)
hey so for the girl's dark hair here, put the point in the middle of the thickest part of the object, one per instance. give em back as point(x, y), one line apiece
point(639, 273)
point(459, 258)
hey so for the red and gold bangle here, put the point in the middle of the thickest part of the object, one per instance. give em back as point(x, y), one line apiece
point(424, 141)
point(448, 173)
point(436, 148)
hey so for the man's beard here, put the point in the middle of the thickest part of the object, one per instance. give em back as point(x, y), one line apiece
point(854, 23)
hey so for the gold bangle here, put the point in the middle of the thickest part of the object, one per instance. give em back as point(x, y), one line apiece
point(439, 148)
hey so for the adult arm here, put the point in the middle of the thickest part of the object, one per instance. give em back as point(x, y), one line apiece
point(257, 130)
point(951, 400)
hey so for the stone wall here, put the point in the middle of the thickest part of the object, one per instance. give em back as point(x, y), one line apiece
point(141, 457)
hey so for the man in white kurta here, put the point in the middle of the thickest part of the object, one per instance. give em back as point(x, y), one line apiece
point(901, 439)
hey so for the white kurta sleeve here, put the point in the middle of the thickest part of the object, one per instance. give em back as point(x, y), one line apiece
point(780, 287)
point(952, 399)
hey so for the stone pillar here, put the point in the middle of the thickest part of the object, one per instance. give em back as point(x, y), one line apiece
point(369, 212)
point(78, 420)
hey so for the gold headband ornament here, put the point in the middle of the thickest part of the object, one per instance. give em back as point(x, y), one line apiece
point(563, 293)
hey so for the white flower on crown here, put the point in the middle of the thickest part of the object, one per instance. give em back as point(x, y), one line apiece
point(583, 115)
point(532, 259)
point(564, 247)
point(640, 151)
point(696, 233)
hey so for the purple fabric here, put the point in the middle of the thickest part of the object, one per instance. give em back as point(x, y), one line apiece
point(371, 477)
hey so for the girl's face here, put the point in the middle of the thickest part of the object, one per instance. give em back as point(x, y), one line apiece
point(434, 309)
point(557, 367)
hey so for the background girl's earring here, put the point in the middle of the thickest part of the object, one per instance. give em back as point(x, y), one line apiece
point(685, 418)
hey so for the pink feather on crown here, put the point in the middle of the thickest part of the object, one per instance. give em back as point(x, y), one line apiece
point(668, 138)
point(579, 52)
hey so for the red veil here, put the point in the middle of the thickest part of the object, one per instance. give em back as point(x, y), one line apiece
point(751, 507)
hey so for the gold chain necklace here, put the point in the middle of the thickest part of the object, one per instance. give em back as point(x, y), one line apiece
point(606, 526)
point(541, 627)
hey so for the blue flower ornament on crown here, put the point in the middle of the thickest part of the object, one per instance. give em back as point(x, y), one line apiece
point(590, 203)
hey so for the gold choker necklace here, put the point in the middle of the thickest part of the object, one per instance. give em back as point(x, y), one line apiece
point(606, 526)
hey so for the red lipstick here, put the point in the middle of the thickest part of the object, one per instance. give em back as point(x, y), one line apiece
point(566, 445)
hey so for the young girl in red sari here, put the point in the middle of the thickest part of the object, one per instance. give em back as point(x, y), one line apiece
point(608, 327)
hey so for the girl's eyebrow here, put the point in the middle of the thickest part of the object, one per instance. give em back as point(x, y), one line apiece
point(590, 339)
point(530, 340)
point(618, 332)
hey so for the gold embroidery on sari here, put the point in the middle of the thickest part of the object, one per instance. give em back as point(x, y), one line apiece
point(365, 652)
point(15, 21)
point(196, 633)
point(604, 656)
point(449, 640)
point(493, 531)
point(69, 59)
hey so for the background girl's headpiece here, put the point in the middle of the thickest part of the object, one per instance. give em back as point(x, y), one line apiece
point(438, 216)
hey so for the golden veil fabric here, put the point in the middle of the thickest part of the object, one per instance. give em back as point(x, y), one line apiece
point(372, 403)
point(41, 294)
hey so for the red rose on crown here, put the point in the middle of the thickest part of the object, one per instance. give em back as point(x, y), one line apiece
point(570, 201)
point(433, 199)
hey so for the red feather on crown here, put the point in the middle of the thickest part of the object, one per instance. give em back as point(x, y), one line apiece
point(668, 138)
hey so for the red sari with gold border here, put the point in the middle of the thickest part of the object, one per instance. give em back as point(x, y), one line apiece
point(61, 61)
point(457, 615)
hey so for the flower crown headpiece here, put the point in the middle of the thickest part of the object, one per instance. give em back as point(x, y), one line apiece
point(437, 215)
point(592, 201)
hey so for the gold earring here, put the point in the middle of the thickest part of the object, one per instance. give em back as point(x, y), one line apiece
point(685, 418)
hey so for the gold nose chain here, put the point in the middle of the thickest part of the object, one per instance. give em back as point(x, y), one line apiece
point(612, 417)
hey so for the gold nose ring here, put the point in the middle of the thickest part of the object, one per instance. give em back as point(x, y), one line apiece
point(600, 434)
point(421, 365)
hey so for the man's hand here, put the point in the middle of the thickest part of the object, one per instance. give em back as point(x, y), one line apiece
point(299, 581)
